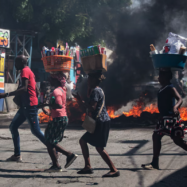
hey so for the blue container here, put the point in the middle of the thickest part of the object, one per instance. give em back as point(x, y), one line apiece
point(173, 61)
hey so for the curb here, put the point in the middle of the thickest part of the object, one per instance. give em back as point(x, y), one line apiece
point(8, 115)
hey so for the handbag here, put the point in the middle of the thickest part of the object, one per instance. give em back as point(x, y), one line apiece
point(89, 123)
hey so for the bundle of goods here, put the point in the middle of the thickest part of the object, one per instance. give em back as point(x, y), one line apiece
point(173, 55)
point(55, 59)
point(93, 59)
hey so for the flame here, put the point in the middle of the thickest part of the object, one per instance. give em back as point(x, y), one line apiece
point(111, 113)
point(183, 113)
point(75, 112)
point(151, 109)
point(137, 110)
point(83, 117)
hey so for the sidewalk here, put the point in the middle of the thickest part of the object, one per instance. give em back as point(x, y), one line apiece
point(10, 114)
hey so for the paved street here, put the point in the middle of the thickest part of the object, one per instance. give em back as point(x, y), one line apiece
point(128, 148)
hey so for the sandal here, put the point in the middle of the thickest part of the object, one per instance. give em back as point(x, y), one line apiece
point(149, 166)
point(85, 171)
point(53, 169)
point(111, 174)
point(14, 158)
point(70, 160)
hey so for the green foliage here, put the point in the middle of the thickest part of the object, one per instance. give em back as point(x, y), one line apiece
point(75, 20)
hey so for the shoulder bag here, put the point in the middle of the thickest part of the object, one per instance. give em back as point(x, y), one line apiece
point(89, 123)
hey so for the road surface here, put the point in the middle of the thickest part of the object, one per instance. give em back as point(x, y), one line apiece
point(128, 148)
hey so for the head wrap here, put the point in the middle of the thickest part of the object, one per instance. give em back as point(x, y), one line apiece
point(60, 77)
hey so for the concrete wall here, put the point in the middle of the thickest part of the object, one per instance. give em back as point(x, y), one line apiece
point(9, 87)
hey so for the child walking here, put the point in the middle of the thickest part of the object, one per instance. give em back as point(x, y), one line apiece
point(170, 122)
point(55, 129)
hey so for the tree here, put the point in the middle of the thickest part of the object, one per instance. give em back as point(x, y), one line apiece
point(76, 20)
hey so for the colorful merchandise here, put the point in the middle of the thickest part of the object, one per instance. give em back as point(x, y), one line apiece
point(173, 55)
point(58, 51)
point(92, 50)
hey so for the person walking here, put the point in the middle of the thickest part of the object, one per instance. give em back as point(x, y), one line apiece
point(26, 98)
point(100, 137)
point(55, 130)
point(170, 122)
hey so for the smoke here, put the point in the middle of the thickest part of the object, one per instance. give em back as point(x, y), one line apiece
point(137, 4)
point(142, 24)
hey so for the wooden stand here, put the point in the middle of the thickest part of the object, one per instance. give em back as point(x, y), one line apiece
point(94, 63)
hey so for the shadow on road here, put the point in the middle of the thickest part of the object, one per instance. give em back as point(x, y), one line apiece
point(123, 154)
point(176, 179)
point(45, 177)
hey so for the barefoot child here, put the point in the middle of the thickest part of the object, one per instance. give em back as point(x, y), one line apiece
point(55, 129)
point(170, 123)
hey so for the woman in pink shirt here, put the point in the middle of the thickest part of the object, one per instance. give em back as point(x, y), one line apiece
point(55, 129)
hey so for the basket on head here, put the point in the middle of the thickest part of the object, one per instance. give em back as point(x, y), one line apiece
point(173, 61)
point(94, 63)
point(57, 63)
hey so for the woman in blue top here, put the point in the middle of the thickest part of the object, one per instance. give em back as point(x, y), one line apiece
point(170, 122)
point(100, 137)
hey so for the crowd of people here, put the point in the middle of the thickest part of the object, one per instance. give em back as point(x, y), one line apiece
point(26, 97)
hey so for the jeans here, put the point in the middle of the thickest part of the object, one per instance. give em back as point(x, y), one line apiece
point(31, 115)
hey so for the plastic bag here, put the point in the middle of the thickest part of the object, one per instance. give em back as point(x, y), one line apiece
point(69, 87)
point(173, 43)
point(176, 37)
point(175, 48)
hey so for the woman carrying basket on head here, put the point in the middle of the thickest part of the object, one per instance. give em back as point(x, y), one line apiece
point(99, 138)
point(55, 129)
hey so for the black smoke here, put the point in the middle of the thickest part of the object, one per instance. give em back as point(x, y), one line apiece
point(137, 28)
